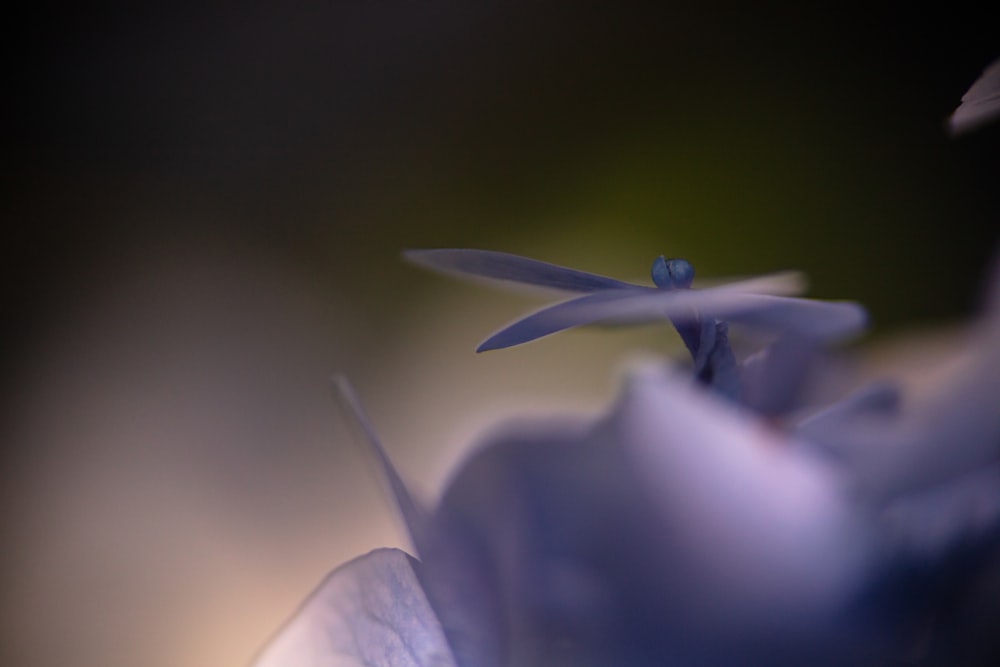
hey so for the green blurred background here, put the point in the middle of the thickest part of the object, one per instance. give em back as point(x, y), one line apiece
point(204, 209)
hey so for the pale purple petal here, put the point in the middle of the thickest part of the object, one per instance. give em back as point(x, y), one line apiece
point(980, 104)
point(452, 572)
point(879, 399)
point(927, 457)
point(817, 319)
point(530, 500)
point(773, 379)
point(963, 512)
point(676, 529)
point(946, 430)
point(821, 320)
point(414, 516)
point(763, 532)
point(370, 612)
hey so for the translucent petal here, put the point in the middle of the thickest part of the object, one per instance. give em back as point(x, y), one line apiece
point(821, 320)
point(414, 516)
point(981, 104)
point(816, 319)
point(370, 612)
point(511, 268)
point(456, 580)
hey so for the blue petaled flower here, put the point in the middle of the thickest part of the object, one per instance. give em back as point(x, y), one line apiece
point(705, 518)
point(687, 527)
point(700, 316)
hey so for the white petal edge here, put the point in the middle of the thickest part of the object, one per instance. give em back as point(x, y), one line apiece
point(980, 104)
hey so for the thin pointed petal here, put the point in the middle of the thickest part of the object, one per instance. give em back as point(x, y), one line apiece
point(452, 573)
point(511, 268)
point(816, 319)
point(598, 307)
point(370, 612)
point(414, 516)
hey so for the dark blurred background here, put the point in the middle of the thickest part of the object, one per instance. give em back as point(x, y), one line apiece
point(204, 208)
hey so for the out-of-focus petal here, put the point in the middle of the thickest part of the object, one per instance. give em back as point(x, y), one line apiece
point(819, 431)
point(370, 612)
point(677, 530)
point(938, 432)
point(774, 378)
point(959, 513)
point(821, 320)
point(715, 364)
point(980, 104)
point(762, 534)
point(683, 529)
point(539, 499)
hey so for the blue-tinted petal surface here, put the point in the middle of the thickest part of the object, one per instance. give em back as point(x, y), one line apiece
point(677, 530)
point(453, 574)
point(370, 612)
point(936, 432)
point(774, 379)
point(818, 319)
point(764, 532)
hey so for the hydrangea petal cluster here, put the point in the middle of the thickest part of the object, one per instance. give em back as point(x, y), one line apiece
point(682, 527)
point(702, 520)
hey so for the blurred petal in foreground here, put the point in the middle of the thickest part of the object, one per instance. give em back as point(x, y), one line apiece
point(980, 105)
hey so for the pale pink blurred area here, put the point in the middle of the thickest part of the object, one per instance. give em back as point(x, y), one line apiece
point(181, 477)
